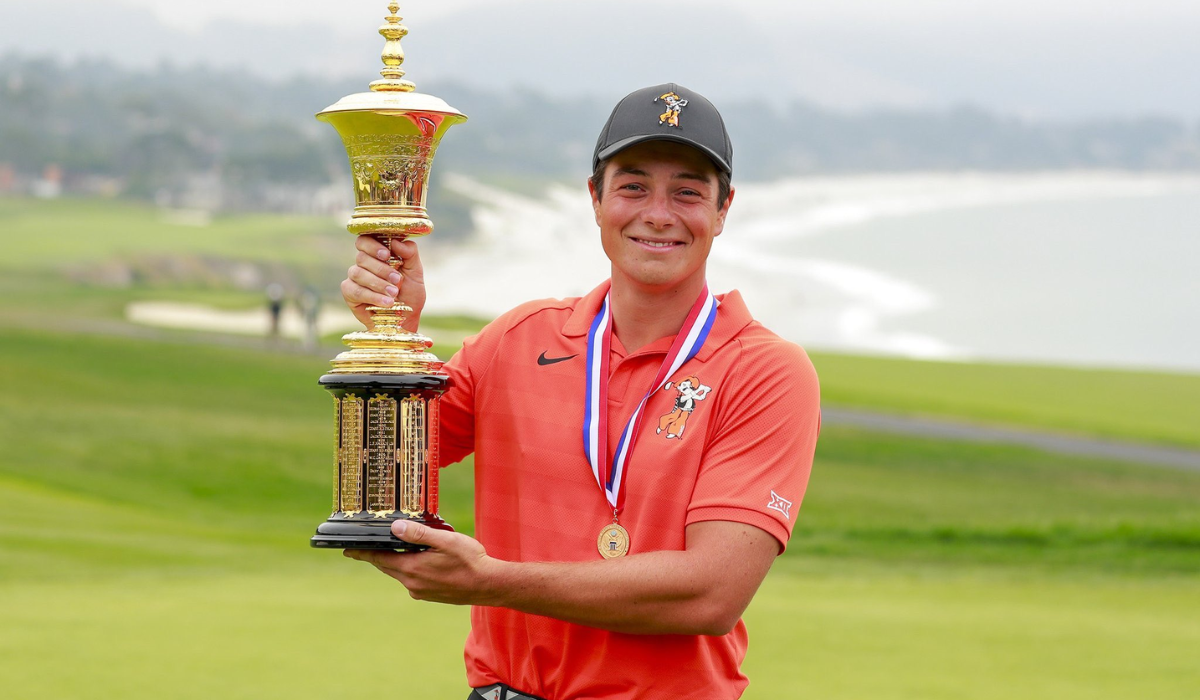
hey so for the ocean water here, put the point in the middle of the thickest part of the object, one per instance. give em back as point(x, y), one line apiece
point(1077, 268)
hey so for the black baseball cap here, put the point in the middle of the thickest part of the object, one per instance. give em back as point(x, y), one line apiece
point(667, 112)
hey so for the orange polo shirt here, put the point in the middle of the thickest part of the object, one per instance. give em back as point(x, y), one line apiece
point(742, 453)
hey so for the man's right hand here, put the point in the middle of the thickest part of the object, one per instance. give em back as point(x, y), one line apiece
point(372, 282)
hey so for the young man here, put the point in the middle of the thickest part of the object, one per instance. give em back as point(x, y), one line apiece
point(614, 559)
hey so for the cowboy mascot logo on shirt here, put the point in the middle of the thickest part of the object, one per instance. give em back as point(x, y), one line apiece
point(690, 391)
point(675, 105)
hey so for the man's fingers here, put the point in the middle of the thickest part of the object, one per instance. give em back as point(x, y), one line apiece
point(366, 279)
point(387, 562)
point(410, 260)
point(372, 282)
point(418, 533)
point(377, 267)
point(366, 555)
point(372, 247)
point(356, 294)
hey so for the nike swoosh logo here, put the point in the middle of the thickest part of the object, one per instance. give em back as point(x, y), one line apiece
point(543, 360)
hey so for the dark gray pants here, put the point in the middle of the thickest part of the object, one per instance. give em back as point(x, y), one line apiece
point(499, 692)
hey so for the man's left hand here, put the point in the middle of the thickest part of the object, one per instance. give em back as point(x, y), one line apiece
point(453, 570)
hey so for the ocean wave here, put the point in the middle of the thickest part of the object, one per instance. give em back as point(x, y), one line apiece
point(791, 209)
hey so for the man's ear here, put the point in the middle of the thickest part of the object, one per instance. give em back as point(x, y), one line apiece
point(595, 200)
point(722, 212)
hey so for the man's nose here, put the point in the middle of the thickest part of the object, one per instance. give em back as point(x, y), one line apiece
point(658, 210)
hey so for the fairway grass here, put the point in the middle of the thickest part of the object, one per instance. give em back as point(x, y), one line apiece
point(336, 626)
point(321, 632)
point(47, 234)
point(929, 635)
point(158, 499)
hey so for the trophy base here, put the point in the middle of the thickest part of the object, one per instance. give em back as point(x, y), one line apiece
point(386, 459)
point(351, 534)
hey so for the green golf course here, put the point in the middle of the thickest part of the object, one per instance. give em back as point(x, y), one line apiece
point(158, 490)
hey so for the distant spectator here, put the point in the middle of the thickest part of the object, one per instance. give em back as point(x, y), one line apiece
point(275, 306)
point(310, 307)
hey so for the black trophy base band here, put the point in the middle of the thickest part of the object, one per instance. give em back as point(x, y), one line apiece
point(358, 534)
point(405, 383)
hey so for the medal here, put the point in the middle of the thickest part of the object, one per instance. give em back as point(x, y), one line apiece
point(614, 539)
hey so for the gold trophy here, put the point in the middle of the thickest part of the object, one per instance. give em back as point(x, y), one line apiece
point(386, 386)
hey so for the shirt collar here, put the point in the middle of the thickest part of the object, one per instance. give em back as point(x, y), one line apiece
point(732, 317)
point(585, 311)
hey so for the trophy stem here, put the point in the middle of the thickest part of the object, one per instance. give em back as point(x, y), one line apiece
point(395, 315)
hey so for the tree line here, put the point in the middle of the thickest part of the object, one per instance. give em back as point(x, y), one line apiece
point(150, 130)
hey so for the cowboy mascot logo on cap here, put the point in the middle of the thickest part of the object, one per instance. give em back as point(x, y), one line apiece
point(690, 391)
point(675, 105)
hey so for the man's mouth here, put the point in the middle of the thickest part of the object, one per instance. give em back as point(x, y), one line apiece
point(657, 244)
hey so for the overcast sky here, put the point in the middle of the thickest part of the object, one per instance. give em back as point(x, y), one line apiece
point(1038, 58)
point(348, 15)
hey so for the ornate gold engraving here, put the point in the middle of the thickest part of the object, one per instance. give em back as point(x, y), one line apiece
point(390, 169)
point(351, 455)
point(381, 453)
point(412, 453)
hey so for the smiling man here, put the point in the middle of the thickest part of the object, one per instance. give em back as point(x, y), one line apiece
point(613, 558)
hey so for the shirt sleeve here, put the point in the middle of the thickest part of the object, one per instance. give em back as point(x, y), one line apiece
point(759, 455)
point(468, 367)
point(457, 410)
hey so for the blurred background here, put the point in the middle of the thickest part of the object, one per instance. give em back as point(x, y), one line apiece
point(979, 218)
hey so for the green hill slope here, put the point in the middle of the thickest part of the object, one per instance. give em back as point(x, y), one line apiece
point(1142, 406)
point(213, 443)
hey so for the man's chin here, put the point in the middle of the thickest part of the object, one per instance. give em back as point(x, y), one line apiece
point(657, 282)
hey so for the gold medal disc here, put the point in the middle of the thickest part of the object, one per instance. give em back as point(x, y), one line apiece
point(613, 541)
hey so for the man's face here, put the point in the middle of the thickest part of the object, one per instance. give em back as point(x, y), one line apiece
point(658, 215)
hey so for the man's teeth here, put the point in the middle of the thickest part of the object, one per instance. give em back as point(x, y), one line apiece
point(656, 244)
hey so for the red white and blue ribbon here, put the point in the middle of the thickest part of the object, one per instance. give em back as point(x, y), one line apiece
point(595, 421)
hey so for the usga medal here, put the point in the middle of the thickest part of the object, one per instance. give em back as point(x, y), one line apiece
point(613, 541)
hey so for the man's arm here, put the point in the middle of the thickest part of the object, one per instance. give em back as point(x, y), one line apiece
point(703, 589)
